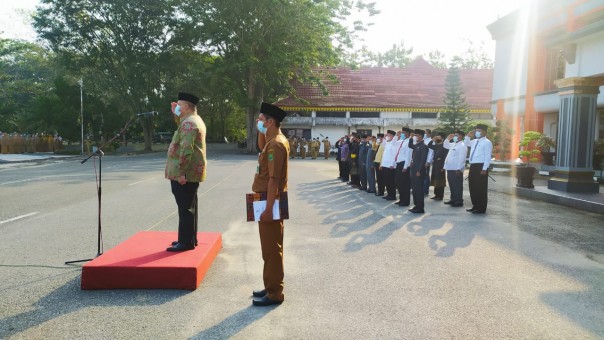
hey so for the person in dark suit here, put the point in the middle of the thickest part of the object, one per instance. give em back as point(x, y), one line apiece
point(438, 178)
point(418, 170)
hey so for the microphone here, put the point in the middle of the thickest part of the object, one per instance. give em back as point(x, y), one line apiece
point(152, 113)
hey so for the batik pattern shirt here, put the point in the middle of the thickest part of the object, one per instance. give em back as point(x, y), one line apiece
point(187, 152)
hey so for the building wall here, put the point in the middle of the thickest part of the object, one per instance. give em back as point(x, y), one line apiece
point(333, 132)
point(589, 59)
point(510, 73)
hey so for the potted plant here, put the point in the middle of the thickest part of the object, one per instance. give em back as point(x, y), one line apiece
point(529, 152)
point(546, 144)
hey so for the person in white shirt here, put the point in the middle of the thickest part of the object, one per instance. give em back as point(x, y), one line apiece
point(455, 163)
point(481, 150)
point(401, 176)
point(387, 165)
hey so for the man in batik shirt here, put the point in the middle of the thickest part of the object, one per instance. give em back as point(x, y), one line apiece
point(186, 167)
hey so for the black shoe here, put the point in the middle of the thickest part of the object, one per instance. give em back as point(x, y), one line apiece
point(180, 247)
point(264, 301)
point(479, 211)
point(174, 243)
point(371, 192)
point(259, 293)
point(384, 197)
point(417, 211)
point(433, 198)
point(403, 204)
point(448, 202)
point(471, 209)
point(397, 202)
point(457, 205)
point(438, 198)
point(390, 198)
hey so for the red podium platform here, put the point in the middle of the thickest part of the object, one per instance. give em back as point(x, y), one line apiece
point(143, 262)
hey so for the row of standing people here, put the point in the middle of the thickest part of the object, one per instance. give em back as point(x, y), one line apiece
point(410, 161)
point(300, 147)
point(16, 143)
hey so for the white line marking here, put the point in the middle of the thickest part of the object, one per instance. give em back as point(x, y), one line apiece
point(19, 217)
point(131, 184)
point(44, 177)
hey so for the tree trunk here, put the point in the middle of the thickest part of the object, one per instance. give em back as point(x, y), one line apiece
point(254, 98)
point(147, 129)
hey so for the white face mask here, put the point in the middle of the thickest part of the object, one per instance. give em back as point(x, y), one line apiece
point(379, 140)
point(415, 138)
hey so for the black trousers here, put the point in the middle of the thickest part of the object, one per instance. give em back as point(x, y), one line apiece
point(455, 179)
point(379, 176)
point(341, 173)
point(479, 185)
point(345, 170)
point(389, 181)
point(187, 206)
point(417, 184)
point(403, 183)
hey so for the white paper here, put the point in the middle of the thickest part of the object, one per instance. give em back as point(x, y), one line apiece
point(260, 206)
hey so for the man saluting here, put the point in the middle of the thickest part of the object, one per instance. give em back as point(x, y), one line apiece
point(271, 178)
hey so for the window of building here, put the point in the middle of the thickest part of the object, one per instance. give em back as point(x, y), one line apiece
point(424, 114)
point(555, 68)
point(329, 114)
point(364, 114)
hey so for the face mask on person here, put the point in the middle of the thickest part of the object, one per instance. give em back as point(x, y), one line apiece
point(478, 134)
point(379, 140)
point(425, 136)
point(455, 139)
point(415, 138)
point(177, 110)
point(261, 127)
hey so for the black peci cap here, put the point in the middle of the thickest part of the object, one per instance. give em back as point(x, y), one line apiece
point(406, 129)
point(482, 127)
point(272, 111)
point(419, 132)
point(188, 97)
point(391, 132)
point(459, 132)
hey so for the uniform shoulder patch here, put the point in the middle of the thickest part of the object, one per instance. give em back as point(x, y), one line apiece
point(271, 155)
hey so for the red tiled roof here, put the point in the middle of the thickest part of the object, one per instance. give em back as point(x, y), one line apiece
point(419, 85)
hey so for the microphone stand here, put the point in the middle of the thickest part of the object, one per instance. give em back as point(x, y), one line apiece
point(100, 154)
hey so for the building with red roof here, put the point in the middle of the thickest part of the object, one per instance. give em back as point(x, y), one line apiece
point(372, 100)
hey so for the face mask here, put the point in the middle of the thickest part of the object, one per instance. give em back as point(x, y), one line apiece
point(415, 138)
point(177, 110)
point(455, 139)
point(478, 134)
point(261, 127)
point(379, 140)
point(425, 136)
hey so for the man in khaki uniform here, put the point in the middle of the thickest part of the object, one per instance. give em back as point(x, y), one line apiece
point(313, 150)
point(292, 146)
point(271, 178)
point(303, 144)
point(326, 147)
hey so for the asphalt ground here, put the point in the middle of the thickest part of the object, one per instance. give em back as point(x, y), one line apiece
point(356, 266)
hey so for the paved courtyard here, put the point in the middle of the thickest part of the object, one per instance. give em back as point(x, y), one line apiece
point(356, 266)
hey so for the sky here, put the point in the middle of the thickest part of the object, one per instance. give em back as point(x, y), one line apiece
point(425, 25)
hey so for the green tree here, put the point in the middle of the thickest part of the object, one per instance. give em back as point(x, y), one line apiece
point(122, 49)
point(437, 59)
point(26, 71)
point(455, 114)
point(397, 56)
point(473, 58)
point(266, 45)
